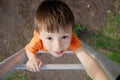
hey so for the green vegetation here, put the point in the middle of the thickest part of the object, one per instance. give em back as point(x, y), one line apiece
point(14, 77)
point(88, 78)
point(112, 29)
point(106, 45)
point(11, 78)
point(78, 28)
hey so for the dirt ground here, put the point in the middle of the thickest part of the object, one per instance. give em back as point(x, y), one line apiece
point(16, 26)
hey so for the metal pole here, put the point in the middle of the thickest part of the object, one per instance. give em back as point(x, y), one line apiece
point(111, 69)
point(54, 67)
point(7, 66)
point(66, 52)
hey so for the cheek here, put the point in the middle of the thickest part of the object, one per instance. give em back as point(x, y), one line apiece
point(66, 43)
point(47, 44)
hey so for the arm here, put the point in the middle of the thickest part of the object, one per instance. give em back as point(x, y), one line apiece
point(33, 63)
point(93, 69)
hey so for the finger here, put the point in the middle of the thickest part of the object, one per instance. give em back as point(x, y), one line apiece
point(37, 68)
point(33, 68)
point(40, 64)
point(28, 66)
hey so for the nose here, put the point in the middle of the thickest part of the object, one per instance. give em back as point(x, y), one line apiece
point(58, 45)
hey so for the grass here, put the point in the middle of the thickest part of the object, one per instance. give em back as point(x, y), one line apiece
point(112, 29)
point(21, 75)
point(78, 28)
point(14, 77)
point(106, 45)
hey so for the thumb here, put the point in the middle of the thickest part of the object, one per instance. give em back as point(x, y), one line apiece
point(40, 64)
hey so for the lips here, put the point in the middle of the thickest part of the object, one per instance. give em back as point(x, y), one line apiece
point(58, 52)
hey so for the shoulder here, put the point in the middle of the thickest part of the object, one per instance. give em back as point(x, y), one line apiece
point(75, 42)
point(35, 44)
point(35, 34)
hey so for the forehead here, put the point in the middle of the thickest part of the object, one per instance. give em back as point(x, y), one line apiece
point(55, 29)
point(60, 32)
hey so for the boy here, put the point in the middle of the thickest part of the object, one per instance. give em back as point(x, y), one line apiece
point(53, 33)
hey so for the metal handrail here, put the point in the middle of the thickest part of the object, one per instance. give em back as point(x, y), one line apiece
point(7, 66)
point(111, 69)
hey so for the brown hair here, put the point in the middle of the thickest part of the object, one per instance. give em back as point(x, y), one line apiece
point(52, 15)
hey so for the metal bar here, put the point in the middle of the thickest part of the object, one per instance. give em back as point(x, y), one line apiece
point(67, 52)
point(7, 66)
point(111, 69)
point(54, 67)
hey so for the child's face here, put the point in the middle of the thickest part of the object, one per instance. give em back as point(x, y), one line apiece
point(56, 43)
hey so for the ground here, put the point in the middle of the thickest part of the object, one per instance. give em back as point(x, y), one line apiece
point(16, 26)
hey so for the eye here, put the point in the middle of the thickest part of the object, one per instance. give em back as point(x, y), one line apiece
point(49, 38)
point(65, 37)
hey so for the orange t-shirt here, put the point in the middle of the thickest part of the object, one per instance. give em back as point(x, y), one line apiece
point(36, 43)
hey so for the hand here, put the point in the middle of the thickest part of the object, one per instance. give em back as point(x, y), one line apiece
point(34, 64)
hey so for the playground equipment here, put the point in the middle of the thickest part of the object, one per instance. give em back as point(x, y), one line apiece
point(16, 61)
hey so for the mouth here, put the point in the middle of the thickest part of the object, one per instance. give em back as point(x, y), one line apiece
point(59, 52)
